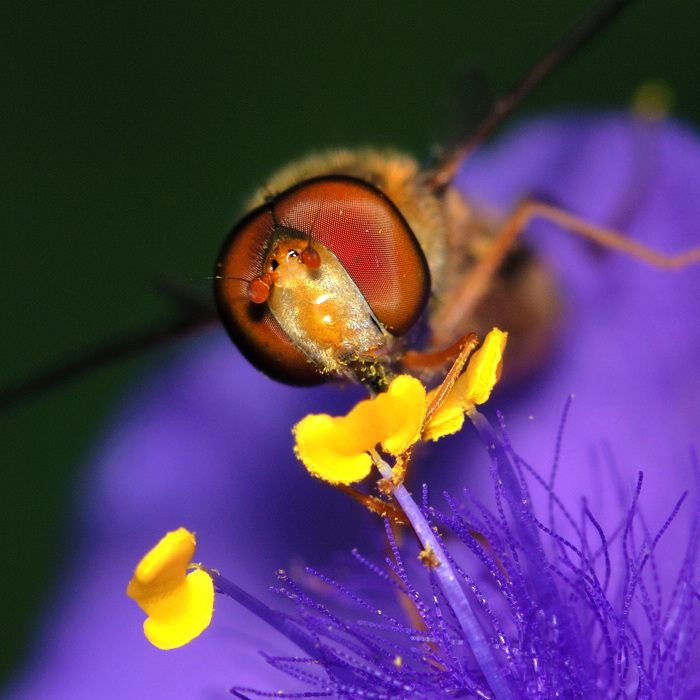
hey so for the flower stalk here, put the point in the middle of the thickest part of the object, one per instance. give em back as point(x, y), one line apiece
point(493, 671)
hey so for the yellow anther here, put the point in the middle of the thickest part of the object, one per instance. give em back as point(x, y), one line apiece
point(472, 388)
point(179, 605)
point(336, 449)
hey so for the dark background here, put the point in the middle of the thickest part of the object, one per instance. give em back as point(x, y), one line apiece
point(131, 132)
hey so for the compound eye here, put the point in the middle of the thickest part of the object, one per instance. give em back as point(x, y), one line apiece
point(241, 290)
point(371, 239)
point(355, 222)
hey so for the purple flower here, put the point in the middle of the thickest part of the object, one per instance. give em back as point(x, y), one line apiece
point(206, 442)
point(510, 621)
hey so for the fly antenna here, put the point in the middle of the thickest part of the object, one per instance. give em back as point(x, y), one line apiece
point(444, 170)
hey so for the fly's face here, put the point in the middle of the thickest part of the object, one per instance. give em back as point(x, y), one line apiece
point(322, 280)
point(353, 256)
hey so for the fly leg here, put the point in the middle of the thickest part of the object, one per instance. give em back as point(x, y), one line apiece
point(464, 299)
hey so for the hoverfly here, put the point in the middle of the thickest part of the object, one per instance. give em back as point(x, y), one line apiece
point(444, 43)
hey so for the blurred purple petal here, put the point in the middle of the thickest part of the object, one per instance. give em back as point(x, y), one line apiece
point(630, 352)
point(206, 443)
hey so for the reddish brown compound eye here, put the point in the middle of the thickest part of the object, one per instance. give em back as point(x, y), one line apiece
point(321, 231)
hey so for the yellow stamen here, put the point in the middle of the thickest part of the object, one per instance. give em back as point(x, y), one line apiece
point(335, 449)
point(339, 449)
point(179, 605)
point(472, 388)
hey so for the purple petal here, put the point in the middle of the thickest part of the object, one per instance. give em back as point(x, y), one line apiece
point(206, 442)
point(630, 353)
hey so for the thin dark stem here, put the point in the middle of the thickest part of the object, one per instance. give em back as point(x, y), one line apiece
point(189, 320)
point(444, 170)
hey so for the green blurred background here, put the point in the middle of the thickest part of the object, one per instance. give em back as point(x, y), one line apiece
point(131, 132)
